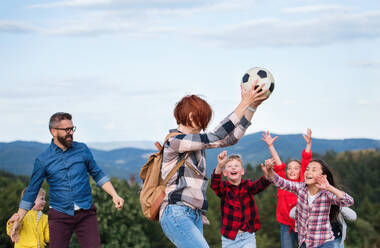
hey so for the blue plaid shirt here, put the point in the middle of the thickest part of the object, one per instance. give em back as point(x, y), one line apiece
point(66, 173)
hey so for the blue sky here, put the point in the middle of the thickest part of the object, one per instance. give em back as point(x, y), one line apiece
point(119, 66)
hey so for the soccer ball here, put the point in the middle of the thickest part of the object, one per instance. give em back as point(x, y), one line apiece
point(262, 75)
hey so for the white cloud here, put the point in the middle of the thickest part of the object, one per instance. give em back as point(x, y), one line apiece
point(15, 27)
point(309, 31)
point(114, 3)
point(366, 64)
point(362, 101)
point(74, 3)
point(315, 9)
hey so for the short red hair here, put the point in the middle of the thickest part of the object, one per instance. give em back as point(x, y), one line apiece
point(200, 109)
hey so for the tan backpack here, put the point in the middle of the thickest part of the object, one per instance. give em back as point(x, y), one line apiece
point(153, 188)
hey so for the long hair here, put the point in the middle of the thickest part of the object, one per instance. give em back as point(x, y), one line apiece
point(334, 210)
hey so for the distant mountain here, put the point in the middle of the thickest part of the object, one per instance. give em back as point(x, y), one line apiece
point(18, 157)
point(108, 146)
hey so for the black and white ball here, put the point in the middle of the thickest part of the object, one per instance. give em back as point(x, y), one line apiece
point(262, 75)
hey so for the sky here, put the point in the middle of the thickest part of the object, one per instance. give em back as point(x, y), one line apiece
point(120, 66)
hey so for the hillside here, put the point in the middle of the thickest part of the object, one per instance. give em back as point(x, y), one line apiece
point(356, 172)
point(18, 157)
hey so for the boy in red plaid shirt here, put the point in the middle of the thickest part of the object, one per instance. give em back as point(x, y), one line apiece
point(240, 219)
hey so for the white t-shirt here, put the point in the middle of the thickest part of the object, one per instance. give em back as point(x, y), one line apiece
point(311, 198)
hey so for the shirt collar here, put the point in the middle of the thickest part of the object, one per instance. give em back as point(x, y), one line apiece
point(233, 185)
point(57, 148)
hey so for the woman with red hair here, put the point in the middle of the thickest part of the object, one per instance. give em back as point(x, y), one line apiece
point(182, 210)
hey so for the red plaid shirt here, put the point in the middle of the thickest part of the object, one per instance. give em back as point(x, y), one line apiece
point(239, 210)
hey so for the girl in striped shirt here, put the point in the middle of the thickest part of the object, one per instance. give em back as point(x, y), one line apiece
point(315, 198)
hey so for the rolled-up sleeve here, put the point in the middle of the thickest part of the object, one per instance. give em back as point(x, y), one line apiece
point(96, 173)
point(284, 184)
point(346, 201)
point(31, 192)
point(228, 132)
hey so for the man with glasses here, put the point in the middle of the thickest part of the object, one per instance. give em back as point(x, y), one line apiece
point(65, 165)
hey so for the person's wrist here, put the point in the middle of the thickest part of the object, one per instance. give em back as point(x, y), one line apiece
point(252, 109)
point(329, 188)
point(244, 103)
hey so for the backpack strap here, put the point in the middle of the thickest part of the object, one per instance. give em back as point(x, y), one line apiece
point(160, 148)
point(175, 169)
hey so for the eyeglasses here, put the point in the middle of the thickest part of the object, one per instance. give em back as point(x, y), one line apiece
point(67, 129)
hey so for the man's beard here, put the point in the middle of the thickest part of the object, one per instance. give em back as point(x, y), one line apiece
point(65, 141)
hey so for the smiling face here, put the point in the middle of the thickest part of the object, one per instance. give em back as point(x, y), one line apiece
point(313, 169)
point(234, 171)
point(64, 137)
point(293, 170)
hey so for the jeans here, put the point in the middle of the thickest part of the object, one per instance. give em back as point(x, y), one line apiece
point(183, 226)
point(288, 237)
point(242, 240)
point(84, 223)
point(337, 243)
point(328, 244)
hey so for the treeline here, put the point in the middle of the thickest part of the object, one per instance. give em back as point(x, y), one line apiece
point(358, 174)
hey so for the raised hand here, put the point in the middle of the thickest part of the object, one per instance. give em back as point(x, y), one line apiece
point(254, 97)
point(307, 137)
point(268, 139)
point(322, 182)
point(268, 168)
point(222, 159)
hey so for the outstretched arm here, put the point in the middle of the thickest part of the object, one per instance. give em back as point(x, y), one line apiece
point(307, 138)
point(306, 154)
point(216, 178)
point(117, 200)
point(337, 196)
point(267, 138)
point(277, 180)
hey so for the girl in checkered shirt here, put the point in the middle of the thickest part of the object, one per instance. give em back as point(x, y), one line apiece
point(315, 198)
point(286, 200)
point(185, 203)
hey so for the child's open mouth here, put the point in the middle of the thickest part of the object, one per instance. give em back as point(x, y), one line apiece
point(233, 173)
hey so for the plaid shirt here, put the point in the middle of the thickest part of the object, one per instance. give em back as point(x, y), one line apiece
point(312, 224)
point(239, 210)
point(188, 186)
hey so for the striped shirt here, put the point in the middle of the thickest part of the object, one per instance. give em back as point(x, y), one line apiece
point(188, 186)
point(312, 223)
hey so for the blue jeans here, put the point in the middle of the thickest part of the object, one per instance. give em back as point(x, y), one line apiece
point(288, 237)
point(242, 240)
point(183, 226)
point(328, 244)
point(337, 243)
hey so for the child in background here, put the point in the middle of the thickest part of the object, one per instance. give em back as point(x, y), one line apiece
point(315, 197)
point(34, 230)
point(287, 200)
point(339, 225)
point(240, 219)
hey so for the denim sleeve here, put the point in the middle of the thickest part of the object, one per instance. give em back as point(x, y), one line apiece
point(31, 192)
point(94, 170)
